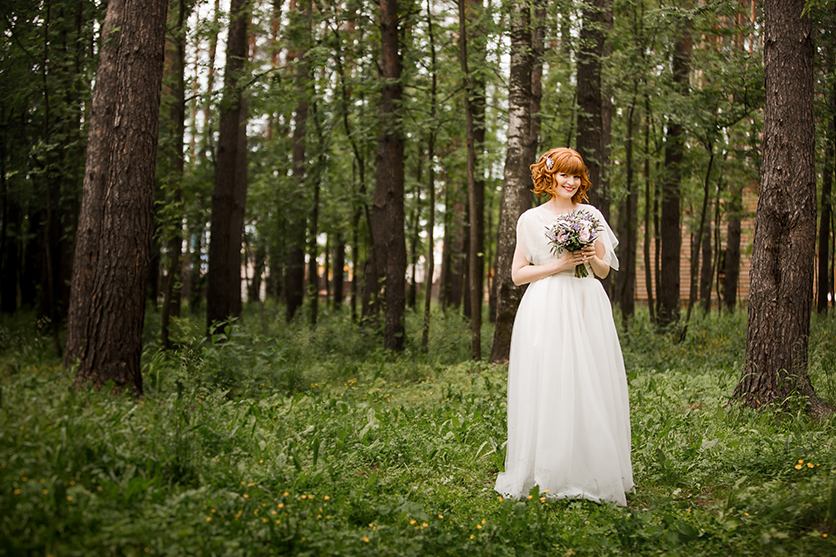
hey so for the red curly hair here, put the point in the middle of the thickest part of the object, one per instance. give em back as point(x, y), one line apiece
point(565, 160)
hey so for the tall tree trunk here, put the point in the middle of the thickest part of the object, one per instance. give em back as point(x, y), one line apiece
point(696, 242)
point(428, 279)
point(516, 197)
point(625, 282)
point(177, 115)
point(223, 294)
point(9, 238)
point(388, 213)
point(195, 275)
point(706, 268)
point(731, 269)
point(648, 210)
point(339, 270)
point(670, 227)
point(295, 272)
point(781, 286)
point(313, 250)
point(475, 196)
point(107, 303)
point(590, 143)
point(538, 49)
point(824, 285)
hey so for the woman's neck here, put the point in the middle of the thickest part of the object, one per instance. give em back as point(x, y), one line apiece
point(561, 206)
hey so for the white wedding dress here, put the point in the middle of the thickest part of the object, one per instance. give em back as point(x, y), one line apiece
point(568, 410)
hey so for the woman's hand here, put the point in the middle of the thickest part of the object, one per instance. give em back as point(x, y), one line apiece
point(594, 255)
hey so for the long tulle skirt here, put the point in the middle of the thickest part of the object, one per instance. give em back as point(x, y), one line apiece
point(568, 409)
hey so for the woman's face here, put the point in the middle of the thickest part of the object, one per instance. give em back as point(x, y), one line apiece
point(566, 185)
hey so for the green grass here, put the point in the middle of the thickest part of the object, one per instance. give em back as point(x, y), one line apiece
point(288, 440)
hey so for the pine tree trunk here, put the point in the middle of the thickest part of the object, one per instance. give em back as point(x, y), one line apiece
point(177, 115)
point(339, 270)
point(670, 227)
point(388, 213)
point(731, 268)
point(516, 197)
point(223, 293)
point(648, 210)
point(625, 280)
point(295, 271)
point(428, 279)
point(107, 303)
point(781, 284)
point(706, 269)
point(824, 285)
point(9, 239)
point(590, 116)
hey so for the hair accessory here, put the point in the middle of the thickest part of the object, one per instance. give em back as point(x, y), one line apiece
point(549, 163)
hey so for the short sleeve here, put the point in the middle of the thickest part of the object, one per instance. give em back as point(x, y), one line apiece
point(610, 242)
point(521, 241)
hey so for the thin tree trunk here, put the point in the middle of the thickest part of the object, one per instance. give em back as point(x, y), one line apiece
point(824, 286)
point(732, 258)
point(171, 289)
point(339, 270)
point(428, 279)
point(670, 231)
point(648, 210)
point(625, 281)
point(107, 303)
point(295, 271)
point(476, 192)
point(706, 268)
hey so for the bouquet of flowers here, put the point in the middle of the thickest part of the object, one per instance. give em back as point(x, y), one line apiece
point(573, 231)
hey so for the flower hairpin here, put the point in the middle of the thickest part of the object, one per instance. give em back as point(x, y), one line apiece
point(549, 163)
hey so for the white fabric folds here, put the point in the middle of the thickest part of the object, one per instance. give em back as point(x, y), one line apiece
point(568, 409)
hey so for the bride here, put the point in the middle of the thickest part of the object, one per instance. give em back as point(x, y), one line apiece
point(568, 410)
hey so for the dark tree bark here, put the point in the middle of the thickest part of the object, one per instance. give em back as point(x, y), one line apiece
point(538, 49)
point(670, 227)
point(259, 266)
point(313, 249)
point(648, 213)
point(731, 268)
point(781, 284)
point(590, 143)
point(388, 213)
point(339, 270)
point(107, 303)
point(706, 268)
point(474, 118)
point(9, 238)
point(625, 280)
point(428, 279)
point(295, 271)
point(516, 197)
point(177, 119)
point(824, 284)
point(30, 275)
point(223, 292)
point(696, 242)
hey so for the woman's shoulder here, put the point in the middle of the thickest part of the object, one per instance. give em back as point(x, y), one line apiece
point(588, 207)
point(529, 214)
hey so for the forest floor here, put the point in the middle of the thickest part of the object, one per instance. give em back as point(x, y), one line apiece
point(287, 440)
